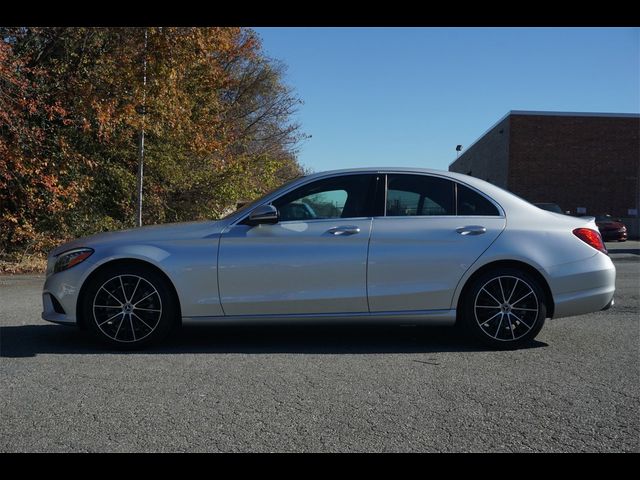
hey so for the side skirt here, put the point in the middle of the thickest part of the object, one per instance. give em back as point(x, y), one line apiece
point(422, 317)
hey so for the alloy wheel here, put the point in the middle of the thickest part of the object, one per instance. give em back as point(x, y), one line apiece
point(127, 308)
point(506, 308)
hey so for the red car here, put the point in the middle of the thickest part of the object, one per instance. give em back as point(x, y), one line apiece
point(611, 229)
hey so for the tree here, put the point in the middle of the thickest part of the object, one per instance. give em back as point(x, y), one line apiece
point(218, 125)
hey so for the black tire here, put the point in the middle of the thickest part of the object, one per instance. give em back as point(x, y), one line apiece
point(129, 307)
point(504, 309)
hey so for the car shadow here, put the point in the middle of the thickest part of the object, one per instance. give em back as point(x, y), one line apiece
point(32, 340)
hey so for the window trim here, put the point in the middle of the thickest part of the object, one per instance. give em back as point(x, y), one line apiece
point(501, 212)
point(380, 173)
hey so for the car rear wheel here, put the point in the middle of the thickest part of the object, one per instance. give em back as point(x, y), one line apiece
point(129, 307)
point(504, 308)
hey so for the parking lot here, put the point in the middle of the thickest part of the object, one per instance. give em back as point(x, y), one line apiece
point(224, 389)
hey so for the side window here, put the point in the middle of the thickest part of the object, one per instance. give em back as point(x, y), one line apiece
point(419, 195)
point(345, 196)
point(471, 203)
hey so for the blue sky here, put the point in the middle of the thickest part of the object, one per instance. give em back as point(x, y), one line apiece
point(408, 96)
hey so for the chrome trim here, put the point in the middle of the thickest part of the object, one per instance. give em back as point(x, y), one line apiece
point(471, 230)
point(382, 171)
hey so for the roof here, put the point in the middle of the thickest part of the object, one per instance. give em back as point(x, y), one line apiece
point(549, 114)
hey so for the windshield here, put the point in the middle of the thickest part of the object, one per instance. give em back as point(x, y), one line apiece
point(249, 206)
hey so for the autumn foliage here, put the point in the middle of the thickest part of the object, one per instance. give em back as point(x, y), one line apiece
point(218, 120)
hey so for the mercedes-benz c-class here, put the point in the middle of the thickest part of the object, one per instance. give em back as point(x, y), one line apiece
point(364, 245)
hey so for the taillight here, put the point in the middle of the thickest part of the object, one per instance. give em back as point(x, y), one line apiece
point(590, 237)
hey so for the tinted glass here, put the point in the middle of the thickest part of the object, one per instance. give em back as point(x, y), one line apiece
point(347, 196)
point(419, 195)
point(471, 203)
point(551, 207)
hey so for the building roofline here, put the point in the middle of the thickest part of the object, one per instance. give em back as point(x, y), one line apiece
point(546, 113)
point(573, 114)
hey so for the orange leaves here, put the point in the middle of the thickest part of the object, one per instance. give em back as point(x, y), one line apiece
point(72, 105)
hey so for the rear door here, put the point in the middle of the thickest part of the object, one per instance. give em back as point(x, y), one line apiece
point(433, 230)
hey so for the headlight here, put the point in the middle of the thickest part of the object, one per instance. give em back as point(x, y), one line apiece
point(73, 257)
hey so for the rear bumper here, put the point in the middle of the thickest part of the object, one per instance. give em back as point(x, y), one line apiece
point(613, 235)
point(583, 287)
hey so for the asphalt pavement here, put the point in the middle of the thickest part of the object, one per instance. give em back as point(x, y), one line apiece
point(323, 389)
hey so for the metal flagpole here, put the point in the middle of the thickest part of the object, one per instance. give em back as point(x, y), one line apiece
point(141, 144)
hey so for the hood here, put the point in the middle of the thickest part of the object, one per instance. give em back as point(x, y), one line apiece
point(151, 233)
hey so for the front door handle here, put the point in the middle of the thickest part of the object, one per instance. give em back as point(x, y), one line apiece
point(471, 230)
point(345, 230)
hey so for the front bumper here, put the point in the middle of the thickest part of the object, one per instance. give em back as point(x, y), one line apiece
point(609, 305)
point(60, 294)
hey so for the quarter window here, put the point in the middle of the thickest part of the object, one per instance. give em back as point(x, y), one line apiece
point(471, 203)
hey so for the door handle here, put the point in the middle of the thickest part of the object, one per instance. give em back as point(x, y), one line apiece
point(471, 230)
point(346, 230)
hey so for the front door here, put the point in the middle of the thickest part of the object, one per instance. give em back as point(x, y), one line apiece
point(313, 261)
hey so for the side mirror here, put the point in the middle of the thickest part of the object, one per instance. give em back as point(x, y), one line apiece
point(264, 214)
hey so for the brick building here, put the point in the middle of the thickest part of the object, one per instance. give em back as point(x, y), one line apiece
point(585, 162)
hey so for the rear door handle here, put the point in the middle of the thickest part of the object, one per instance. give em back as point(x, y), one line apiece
point(344, 230)
point(471, 230)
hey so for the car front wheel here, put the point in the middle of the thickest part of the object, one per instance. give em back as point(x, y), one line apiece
point(129, 307)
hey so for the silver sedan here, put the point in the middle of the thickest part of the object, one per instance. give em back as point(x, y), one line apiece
point(363, 245)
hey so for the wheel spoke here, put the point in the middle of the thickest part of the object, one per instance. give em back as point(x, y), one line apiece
point(132, 329)
point(513, 335)
point(133, 295)
point(126, 300)
point(527, 309)
point(496, 300)
point(144, 298)
point(504, 299)
point(117, 299)
point(499, 325)
point(513, 291)
point(107, 306)
point(521, 320)
point(147, 309)
point(146, 324)
point(486, 322)
point(523, 297)
point(120, 325)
